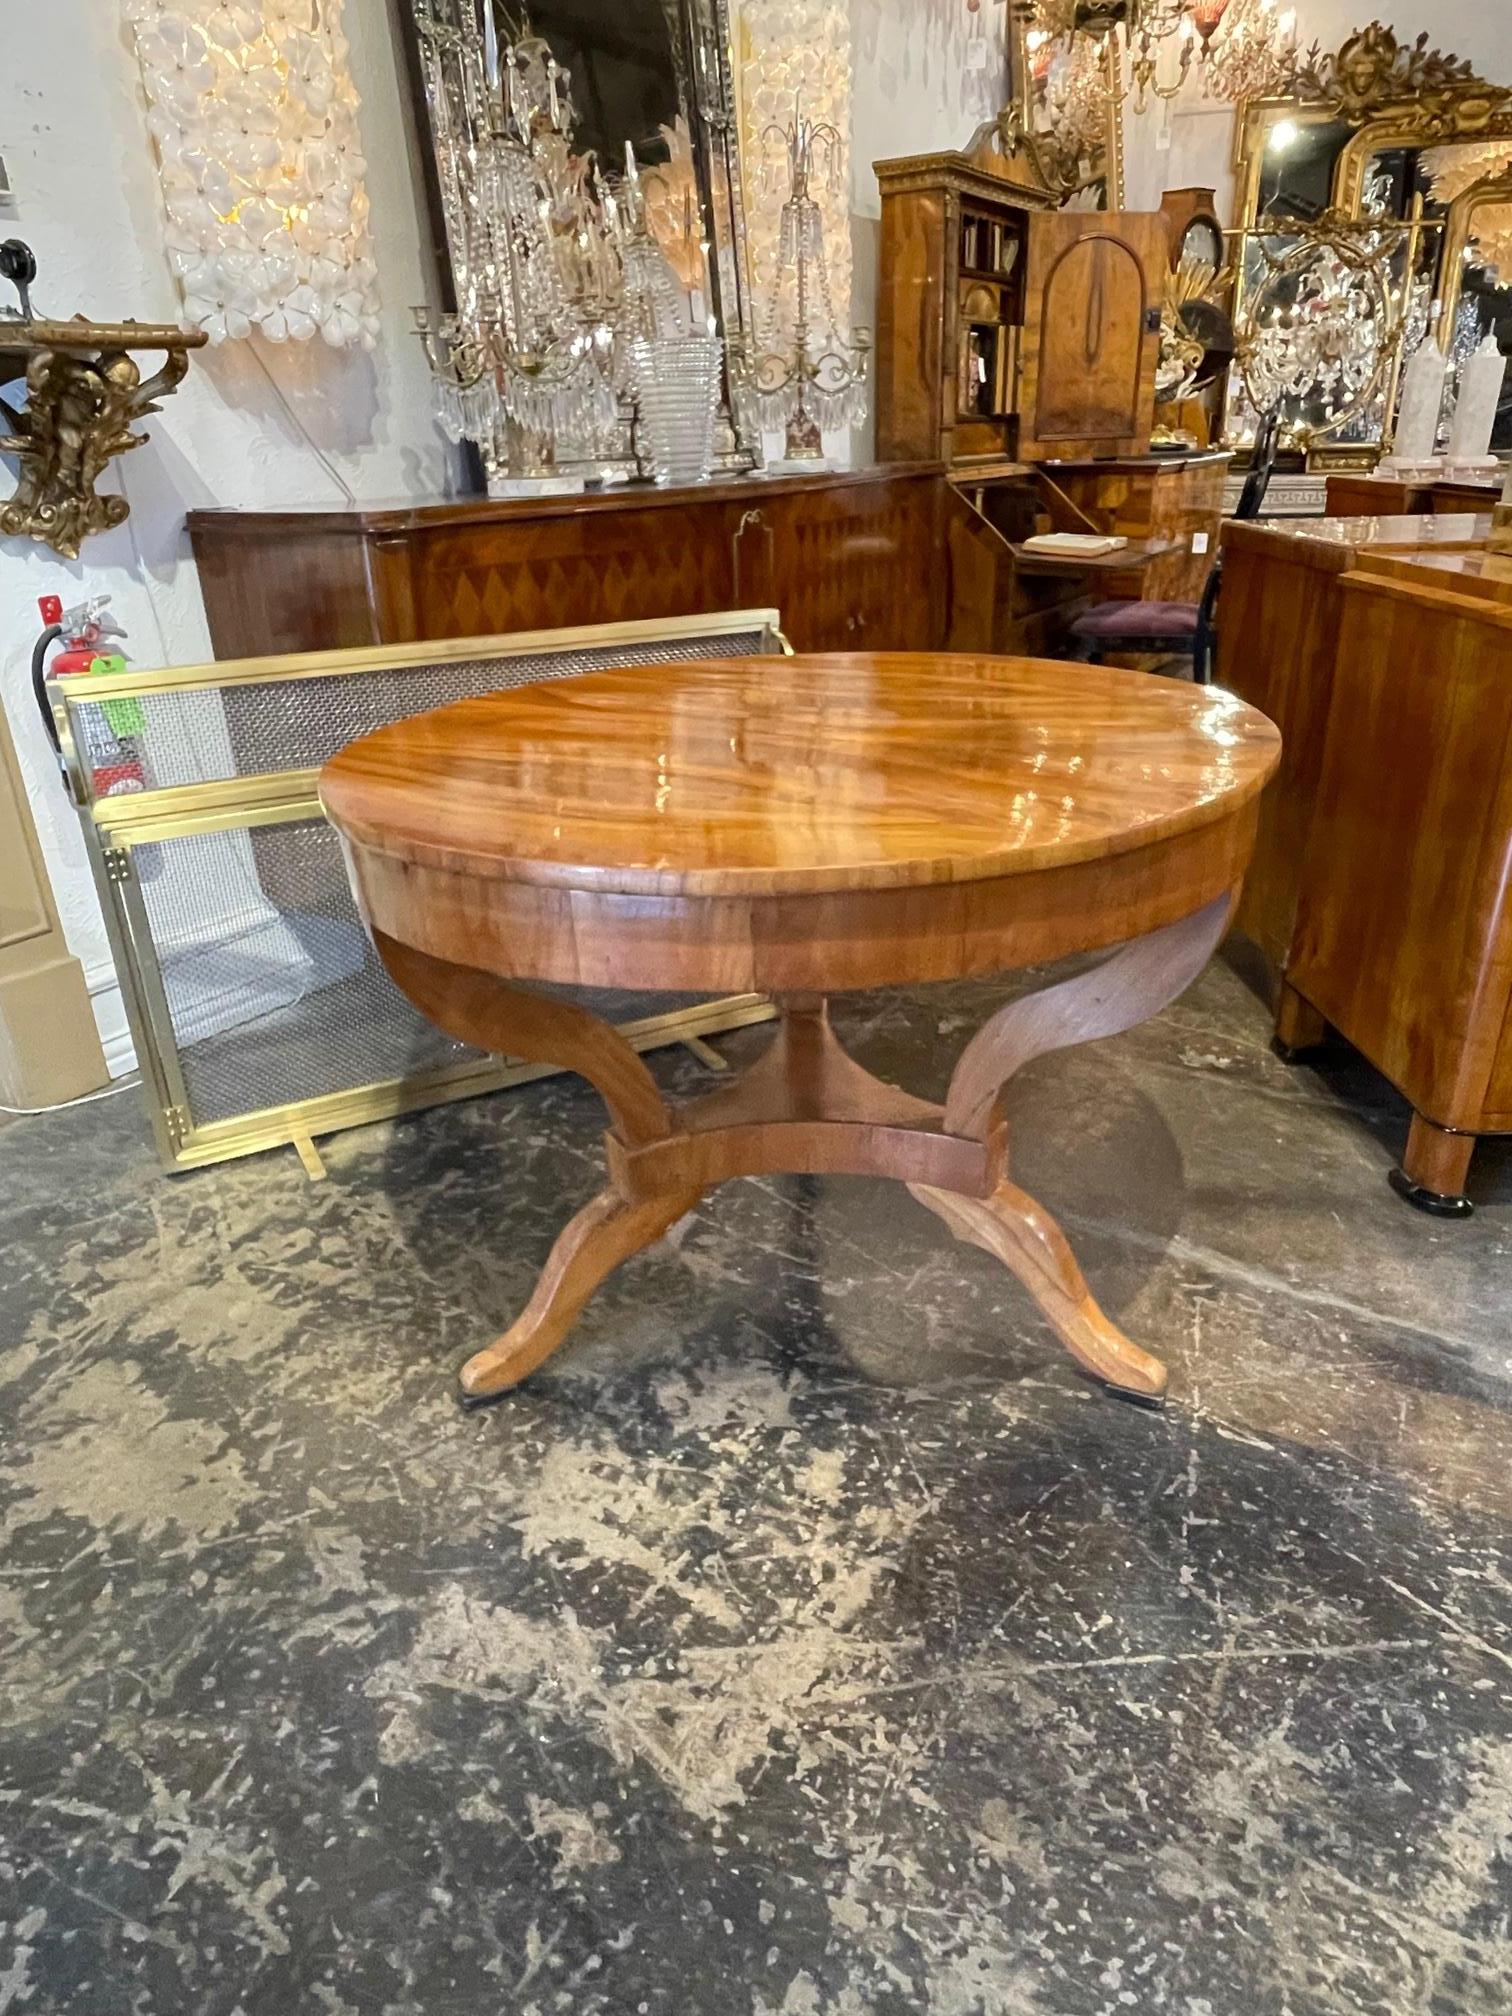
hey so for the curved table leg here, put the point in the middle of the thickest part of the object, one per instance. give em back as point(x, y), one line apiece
point(1119, 993)
point(490, 1013)
point(1022, 1234)
point(605, 1232)
point(808, 1106)
point(1125, 989)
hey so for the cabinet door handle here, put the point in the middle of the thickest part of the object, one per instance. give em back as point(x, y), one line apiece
point(750, 521)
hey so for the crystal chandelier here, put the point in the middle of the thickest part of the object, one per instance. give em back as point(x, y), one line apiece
point(556, 272)
point(1240, 48)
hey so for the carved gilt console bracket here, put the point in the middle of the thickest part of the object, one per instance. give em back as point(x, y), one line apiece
point(83, 392)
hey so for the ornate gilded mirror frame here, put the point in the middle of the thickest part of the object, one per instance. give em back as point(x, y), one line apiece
point(1070, 149)
point(1384, 95)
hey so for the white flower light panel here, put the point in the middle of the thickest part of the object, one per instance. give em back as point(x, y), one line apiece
point(254, 116)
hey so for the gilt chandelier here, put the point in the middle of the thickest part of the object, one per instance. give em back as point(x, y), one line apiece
point(1239, 48)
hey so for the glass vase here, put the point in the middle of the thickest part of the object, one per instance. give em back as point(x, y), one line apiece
point(676, 382)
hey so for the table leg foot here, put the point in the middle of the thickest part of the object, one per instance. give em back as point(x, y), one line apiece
point(1020, 1232)
point(605, 1232)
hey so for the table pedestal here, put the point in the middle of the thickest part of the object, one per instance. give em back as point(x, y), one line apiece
point(806, 1107)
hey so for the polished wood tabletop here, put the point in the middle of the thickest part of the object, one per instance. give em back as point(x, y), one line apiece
point(803, 826)
point(747, 776)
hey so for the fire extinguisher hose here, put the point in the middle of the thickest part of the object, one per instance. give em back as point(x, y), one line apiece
point(39, 684)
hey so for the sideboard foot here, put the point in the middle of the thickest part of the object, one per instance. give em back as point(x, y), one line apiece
point(1434, 1170)
point(1299, 1026)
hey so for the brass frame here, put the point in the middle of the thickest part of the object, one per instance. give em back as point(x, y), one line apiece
point(115, 827)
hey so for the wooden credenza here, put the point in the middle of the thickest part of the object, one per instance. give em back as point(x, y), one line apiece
point(1278, 648)
point(851, 561)
point(1382, 880)
point(893, 558)
point(1352, 495)
point(1403, 938)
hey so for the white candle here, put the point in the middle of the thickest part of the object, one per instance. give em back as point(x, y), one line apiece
point(1480, 391)
point(1422, 399)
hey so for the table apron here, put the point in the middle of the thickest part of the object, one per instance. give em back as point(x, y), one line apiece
point(824, 943)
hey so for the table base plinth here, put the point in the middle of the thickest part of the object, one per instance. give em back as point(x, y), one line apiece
point(807, 1108)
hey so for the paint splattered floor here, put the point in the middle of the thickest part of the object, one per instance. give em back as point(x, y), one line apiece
point(809, 1638)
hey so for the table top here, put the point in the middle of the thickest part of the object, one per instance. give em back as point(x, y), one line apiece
point(776, 775)
point(1331, 544)
point(1484, 575)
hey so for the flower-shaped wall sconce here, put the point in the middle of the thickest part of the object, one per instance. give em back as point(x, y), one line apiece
point(254, 119)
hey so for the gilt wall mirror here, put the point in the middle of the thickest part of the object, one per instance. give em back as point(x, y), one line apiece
point(1351, 240)
point(1477, 287)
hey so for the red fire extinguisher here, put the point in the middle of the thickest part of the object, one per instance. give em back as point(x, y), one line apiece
point(116, 763)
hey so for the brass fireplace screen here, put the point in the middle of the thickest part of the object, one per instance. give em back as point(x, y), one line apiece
point(260, 1013)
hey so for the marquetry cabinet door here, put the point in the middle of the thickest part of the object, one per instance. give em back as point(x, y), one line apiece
point(1091, 337)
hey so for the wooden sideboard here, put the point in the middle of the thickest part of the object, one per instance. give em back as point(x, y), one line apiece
point(893, 558)
point(1278, 648)
point(851, 560)
point(1403, 937)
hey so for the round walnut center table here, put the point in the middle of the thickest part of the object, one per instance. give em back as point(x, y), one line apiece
point(803, 826)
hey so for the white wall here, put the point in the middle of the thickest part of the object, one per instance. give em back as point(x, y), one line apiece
point(1189, 144)
point(86, 199)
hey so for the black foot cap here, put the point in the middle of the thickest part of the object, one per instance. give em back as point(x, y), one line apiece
point(474, 1403)
point(1147, 1403)
point(1294, 1053)
point(1431, 1201)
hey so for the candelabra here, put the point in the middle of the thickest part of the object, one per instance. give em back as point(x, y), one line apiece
point(803, 375)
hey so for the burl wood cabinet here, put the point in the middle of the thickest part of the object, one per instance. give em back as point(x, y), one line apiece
point(1403, 937)
point(850, 560)
point(1006, 329)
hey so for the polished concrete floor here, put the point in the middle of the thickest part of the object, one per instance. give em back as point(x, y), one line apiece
point(809, 1639)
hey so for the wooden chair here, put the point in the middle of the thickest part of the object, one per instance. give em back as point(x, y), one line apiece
point(1177, 629)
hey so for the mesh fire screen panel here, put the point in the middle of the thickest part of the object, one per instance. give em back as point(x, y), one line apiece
point(260, 1011)
point(207, 735)
point(273, 988)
